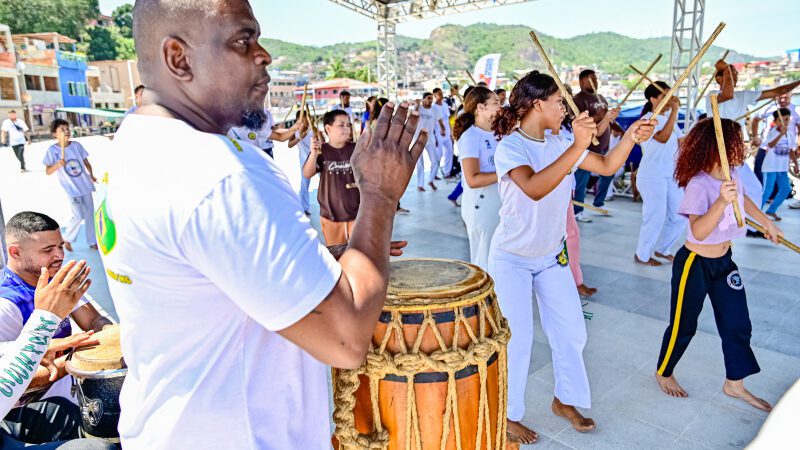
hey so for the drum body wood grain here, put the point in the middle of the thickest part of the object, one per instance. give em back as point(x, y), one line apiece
point(436, 375)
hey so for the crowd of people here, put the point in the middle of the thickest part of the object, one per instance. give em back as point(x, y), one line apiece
point(226, 297)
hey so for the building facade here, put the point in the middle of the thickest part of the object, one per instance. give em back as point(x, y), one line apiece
point(10, 89)
point(119, 78)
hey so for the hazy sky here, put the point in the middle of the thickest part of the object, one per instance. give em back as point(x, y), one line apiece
point(320, 22)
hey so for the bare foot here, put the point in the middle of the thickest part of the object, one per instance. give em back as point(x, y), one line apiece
point(580, 423)
point(585, 291)
point(736, 389)
point(670, 386)
point(420, 188)
point(521, 434)
point(68, 246)
point(649, 262)
point(669, 258)
point(433, 186)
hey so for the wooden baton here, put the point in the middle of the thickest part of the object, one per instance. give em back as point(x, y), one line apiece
point(763, 230)
point(723, 154)
point(554, 74)
point(688, 70)
point(592, 207)
point(646, 78)
point(474, 83)
point(748, 113)
point(642, 76)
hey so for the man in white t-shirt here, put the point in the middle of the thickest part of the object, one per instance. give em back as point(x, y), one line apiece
point(758, 136)
point(445, 136)
point(14, 134)
point(229, 306)
point(431, 121)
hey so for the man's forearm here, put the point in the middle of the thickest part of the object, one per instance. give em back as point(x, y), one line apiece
point(42, 376)
point(99, 323)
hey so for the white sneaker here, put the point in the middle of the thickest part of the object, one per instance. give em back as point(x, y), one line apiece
point(582, 217)
point(795, 204)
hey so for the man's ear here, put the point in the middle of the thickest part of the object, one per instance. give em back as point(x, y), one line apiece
point(174, 52)
point(14, 251)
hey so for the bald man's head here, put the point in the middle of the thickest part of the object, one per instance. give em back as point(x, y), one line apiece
point(201, 60)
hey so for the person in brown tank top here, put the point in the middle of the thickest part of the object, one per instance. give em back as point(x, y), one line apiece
point(338, 205)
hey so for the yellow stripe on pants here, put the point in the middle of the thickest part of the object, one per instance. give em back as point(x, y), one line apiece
point(681, 290)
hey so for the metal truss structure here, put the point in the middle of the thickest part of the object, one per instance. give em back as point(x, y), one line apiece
point(388, 13)
point(687, 32)
point(687, 35)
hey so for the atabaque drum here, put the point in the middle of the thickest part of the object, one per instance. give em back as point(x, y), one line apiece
point(435, 376)
point(98, 373)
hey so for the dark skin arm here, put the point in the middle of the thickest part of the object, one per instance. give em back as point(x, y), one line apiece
point(88, 318)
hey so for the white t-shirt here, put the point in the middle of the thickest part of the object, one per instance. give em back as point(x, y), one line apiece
point(15, 137)
point(735, 107)
point(767, 119)
point(777, 158)
point(480, 144)
point(444, 113)
point(527, 227)
point(73, 177)
point(259, 138)
point(658, 160)
point(303, 147)
point(429, 120)
point(203, 273)
point(348, 110)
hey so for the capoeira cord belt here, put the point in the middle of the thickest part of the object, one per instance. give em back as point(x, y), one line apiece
point(482, 351)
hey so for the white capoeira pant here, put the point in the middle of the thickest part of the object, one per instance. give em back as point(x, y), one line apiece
point(433, 154)
point(82, 211)
point(304, 182)
point(562, 319)
point(479, 209)
point(662, 226)
point(446, 148)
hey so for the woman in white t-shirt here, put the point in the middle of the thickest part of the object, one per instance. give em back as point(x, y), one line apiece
point(781, 141)
point(476, 145)
point(662, 226)
point(528, 248)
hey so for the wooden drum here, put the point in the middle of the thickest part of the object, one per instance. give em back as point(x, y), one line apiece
point(435, 376)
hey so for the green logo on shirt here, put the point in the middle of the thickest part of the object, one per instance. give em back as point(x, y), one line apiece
point(105, 229)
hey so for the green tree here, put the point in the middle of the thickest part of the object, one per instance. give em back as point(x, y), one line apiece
point(123, 19)
point(67, 17)
point(99, 43)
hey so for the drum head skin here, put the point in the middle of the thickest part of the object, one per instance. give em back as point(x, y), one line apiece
point(105, 356)
point(429, 283)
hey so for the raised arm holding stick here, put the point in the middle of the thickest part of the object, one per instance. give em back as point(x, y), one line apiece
point(642, 76)
point(564, 92)
point(723, 154)
point(710, 80)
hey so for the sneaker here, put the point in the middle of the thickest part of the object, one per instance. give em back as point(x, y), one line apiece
point(795, 204)
point(402, 210)
point(774, 217)
point(582, 217)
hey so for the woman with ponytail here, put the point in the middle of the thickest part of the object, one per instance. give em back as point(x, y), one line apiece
point(476, 144)
point(662, 226)
point(528, 248)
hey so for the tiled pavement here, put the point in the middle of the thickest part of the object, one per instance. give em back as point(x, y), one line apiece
point(630, 314)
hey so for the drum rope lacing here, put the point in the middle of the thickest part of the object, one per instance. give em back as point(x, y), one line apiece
point(379, 363)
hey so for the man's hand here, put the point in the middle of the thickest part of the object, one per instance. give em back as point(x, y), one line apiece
point(613, 113)
point(59, 346)
point(382, 162)
point(395, 249)
point(62, 293)
point(773, 233)
point(756, 141)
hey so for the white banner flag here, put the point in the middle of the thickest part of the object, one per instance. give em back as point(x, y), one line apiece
point(486, 70)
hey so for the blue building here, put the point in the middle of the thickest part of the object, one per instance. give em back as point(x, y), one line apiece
point(72, 77)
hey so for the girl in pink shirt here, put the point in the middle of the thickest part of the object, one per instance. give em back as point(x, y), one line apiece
point(703, 266)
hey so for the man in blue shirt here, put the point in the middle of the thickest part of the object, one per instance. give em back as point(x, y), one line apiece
point(34, 241)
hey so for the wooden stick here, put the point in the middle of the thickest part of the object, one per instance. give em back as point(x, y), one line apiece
point(312, 124)
point(723, 154)
point(705, 88)
point(554, 74)
point(646, 78)
point(748, 113)
point(451, 88)
point(688, 70)
point(474, 83)
point(642, 76)
point(592, 207)
point(62, 142)
point(780, 116)
point(303, 103)
point(763, 230)
point(291, 108)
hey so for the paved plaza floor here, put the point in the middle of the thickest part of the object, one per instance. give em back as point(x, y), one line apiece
point(630, 312)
